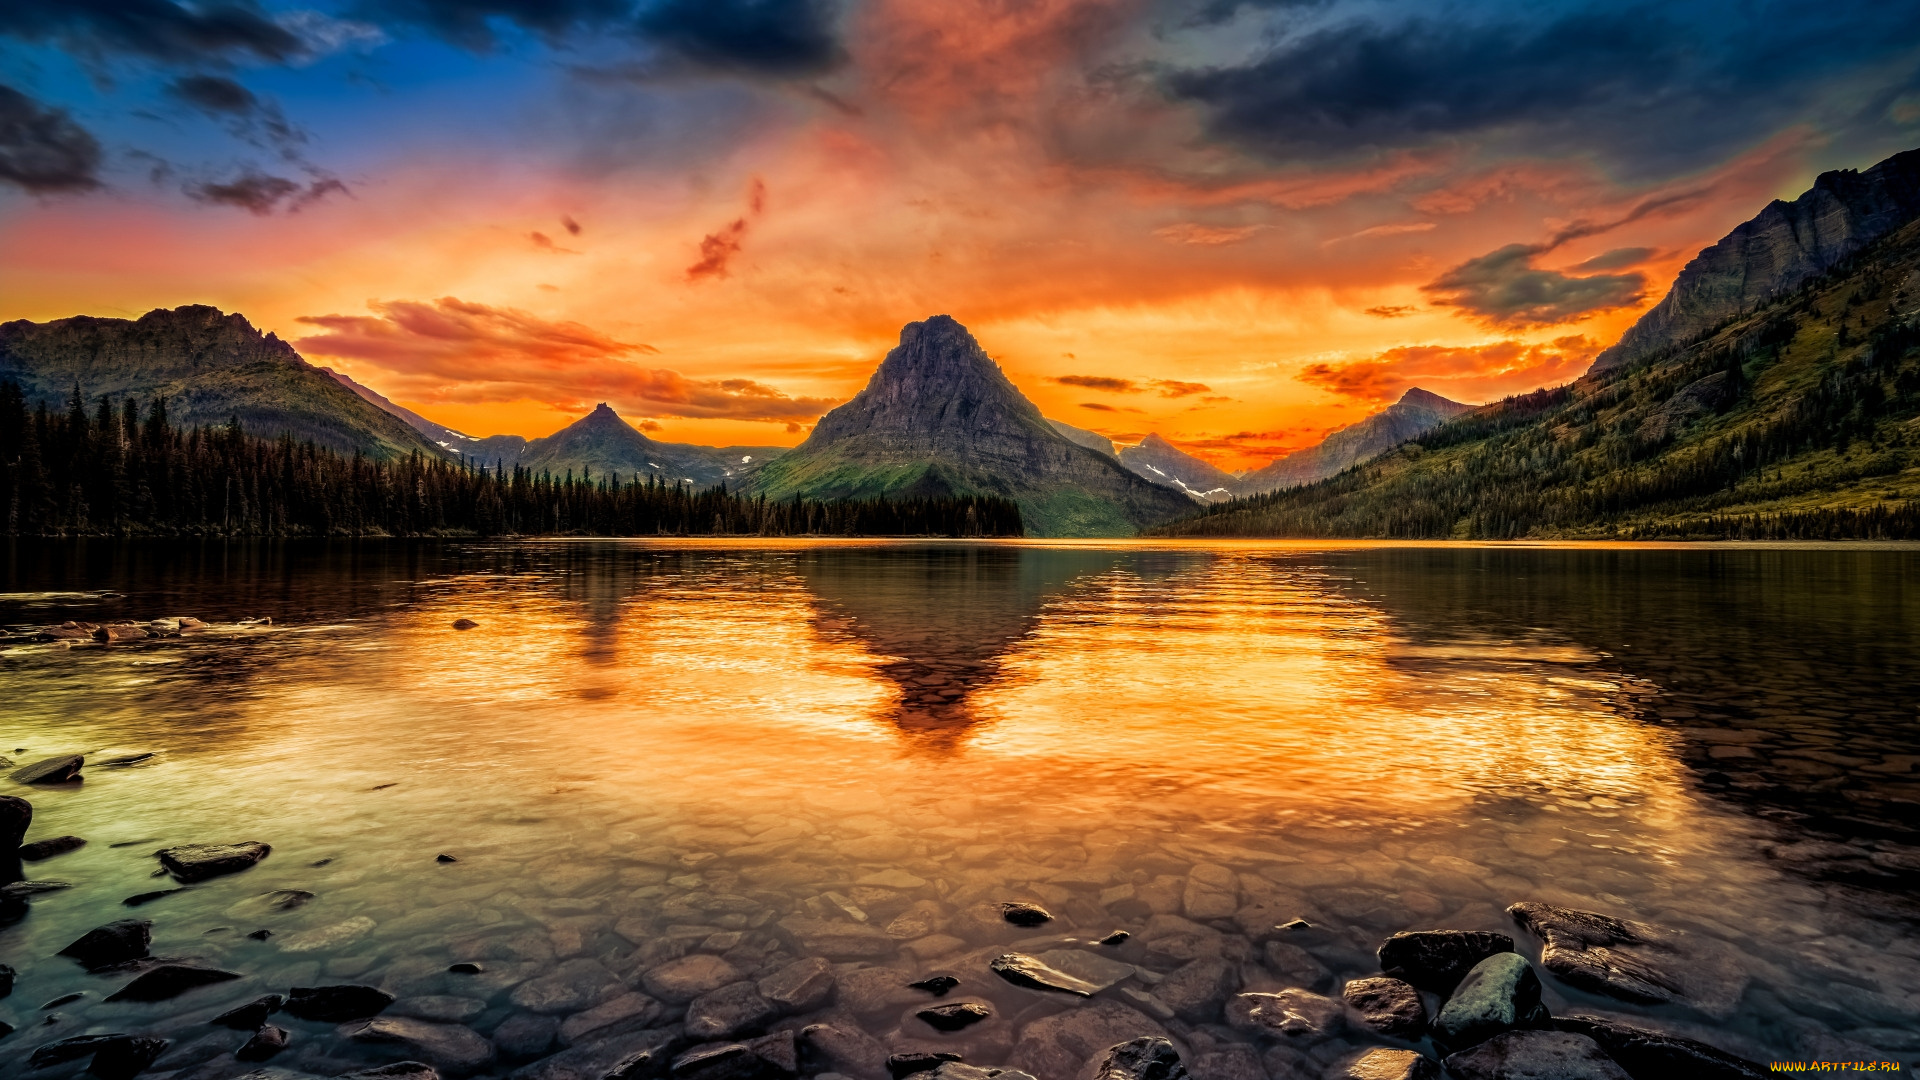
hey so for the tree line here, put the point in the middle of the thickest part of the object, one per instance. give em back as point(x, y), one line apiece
point(118, 470)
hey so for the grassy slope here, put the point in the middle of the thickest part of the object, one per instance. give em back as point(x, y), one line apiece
point(1817, 420)
point(1061, 512)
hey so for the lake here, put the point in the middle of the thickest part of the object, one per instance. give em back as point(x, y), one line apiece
point(659, 770)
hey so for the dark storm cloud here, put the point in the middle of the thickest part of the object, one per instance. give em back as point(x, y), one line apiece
point(42, 149)
point(214, 94)
point(760, 37)
point(1504, 288)
point(262, 193)
point(155, 29)
point(753, 37)
point(1646, 90)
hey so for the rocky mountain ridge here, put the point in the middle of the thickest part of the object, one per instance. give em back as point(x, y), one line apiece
point(1416, 413)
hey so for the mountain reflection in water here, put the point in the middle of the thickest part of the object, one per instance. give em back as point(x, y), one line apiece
point(1375, 738)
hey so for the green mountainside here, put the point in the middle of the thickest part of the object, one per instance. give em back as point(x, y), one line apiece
point(1797, 419)
point(939, 418)
point(210, 367)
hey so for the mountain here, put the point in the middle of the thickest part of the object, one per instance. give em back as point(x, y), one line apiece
point(939, 417)
point(1164, 463)
point(210, 367)
point(1092, 440)
point(1416, 413)
point(1798, 420)
point(1775, 251)
point(603, 443)
point(491, 450)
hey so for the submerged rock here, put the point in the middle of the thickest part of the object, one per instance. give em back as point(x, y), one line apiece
point(1655, 1055)
point(1298, 966)
point(1195, 990)
point(769, 1058)
point(451, 1048)
point(632, 1009)
point(266, 1042)
point(251, 1015)
point(1384, 1064)
point(904, 1065)
point(70, 1049)
point(682, 980)
point(1388, 1006)
point(114, 943)
point(1583, 947)
point(1059, 1045)
point(399, 1070)
point(837, 940)
point(938, 985)
point(170, 981)
point(1151, 1058)
point(464, 624)
point(844, 1048)
point(198, 862)
point(525, 1036)
point(1500, 993)
point(335, 1004)
point(1524, 1055)
point(53, 770)
point(1091, 968)
point(7, 976)
point(1030, 972)
point(801, 986)
point(1437, 960)
point(1290, 1013)
point(730, 1012)
point(961, 1014)
point(47, 849)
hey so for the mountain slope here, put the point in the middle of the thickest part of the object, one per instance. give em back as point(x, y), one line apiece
point(492, 450)
point(938, 417)
point(1775, 251)
point(209, 366)
point(1416, 413)
point(603, 443)
point(1092, 440)
point(1799, 420)
point(1164, 463)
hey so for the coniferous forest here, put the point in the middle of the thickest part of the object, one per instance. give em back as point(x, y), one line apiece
point(120, 470)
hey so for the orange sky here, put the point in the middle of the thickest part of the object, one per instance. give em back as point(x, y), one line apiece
point(1242, 305)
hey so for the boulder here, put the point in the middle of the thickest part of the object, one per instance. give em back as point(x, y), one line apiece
point(730, 1012)
point(198, 862)
point(680, 981)
point(801, 986)
point(1437, 960)
point(451, 1048)
point(53, 770)
point(337, 1004)
point(1195, 990)
point(1296, 1014)
point(114, 943)
point(843, 1048)
point(250, 1016)
point(1591, 951)
point(1057, 1046)
point(1026, 915)
point(15, 815)
point(1389, 1006)
point(1646, 1054)
point(1035, 974)
point(836, 940)
point(1384, 1064)
point(1150, 1058)
point(918, 1063)
point(266, 1042)
point(954, 1017)
point(126, 1057)
point(47, 849)
point(1500, 993)
point(1535, 1055)
point(170, 981)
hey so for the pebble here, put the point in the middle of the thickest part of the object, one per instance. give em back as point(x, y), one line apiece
point(1500, 993)
point(1389, 1006)
point(265, 1043)
point(1034, 974)
point(954, 1017)
point(198, 862)
point(1025, 915)
point(1150, 1058)
point(1384, 1064)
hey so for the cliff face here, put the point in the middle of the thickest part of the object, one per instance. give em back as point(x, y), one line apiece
point(1775, 251)
point(1416, 413)
point(939, 417)
point(1160, 461)
point(210, 366)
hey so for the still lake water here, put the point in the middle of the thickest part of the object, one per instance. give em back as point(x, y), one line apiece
point(647, 751)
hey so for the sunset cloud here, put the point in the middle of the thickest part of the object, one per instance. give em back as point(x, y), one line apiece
point(1099, 382)
point(717, 248)
point(456, 350)
point(1504, 288)
point(1475, 373)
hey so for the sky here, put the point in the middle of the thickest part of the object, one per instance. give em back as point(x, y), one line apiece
point(1238, 223)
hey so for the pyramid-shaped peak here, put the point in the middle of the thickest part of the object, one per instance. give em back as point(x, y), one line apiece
point(1426, 399)
point(1154, 440)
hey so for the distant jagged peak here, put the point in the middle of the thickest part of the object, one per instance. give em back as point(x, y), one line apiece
point(1427, 399)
